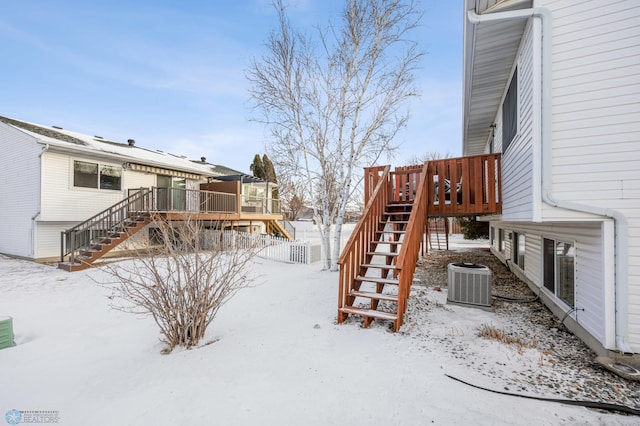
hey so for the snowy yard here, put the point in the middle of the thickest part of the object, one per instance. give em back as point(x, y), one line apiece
point(277, 357)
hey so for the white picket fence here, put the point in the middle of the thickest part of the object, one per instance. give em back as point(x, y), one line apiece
point(268, 246)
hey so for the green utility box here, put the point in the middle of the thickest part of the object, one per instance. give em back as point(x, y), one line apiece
point(6, 332)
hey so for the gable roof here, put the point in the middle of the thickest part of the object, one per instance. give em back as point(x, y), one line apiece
point(69, 141)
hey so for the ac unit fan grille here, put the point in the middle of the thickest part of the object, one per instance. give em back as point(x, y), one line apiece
point(469, 284)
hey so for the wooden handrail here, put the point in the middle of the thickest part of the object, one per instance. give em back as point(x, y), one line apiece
point(356, 247)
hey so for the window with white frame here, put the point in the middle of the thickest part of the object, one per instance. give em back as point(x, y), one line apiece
point(510, 112)
point(94, 175)
point(501, 245)
point(559, 269)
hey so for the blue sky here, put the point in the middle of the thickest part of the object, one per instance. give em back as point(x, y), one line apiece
point(171, 74)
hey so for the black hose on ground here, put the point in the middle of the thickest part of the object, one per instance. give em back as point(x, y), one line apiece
point(511, 299)
point(589, 404)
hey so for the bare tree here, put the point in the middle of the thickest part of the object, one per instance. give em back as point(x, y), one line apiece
point(334, 103)
point(182, 281)
point(429, 156)
point(294, 207)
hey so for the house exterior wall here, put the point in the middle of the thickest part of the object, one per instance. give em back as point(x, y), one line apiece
point(48, 242)
point(19, 191)
point(61, 201)
point(596, 120)
point(595, 113)
point(133, 179)
point(594, 280)
point(595, 149)
point(518, 160)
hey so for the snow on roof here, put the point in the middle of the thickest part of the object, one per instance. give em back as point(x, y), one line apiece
point(73, 141)
point(241, 177)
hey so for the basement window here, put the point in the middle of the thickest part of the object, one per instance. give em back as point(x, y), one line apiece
point(559, 269)
point(94, 175)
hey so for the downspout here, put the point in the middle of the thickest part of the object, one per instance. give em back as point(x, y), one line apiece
point(35, 216)
point(620, 221)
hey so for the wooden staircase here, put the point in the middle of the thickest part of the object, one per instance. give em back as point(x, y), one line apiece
point(377, 264)
point(380, 257)
point(378, 278)
point(90, 240)
point(438, 233)
point(274, 227)
point(88, 255)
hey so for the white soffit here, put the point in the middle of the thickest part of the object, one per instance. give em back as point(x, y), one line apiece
point(490, 53)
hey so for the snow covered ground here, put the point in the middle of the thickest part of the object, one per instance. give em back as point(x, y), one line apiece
point(277, 357)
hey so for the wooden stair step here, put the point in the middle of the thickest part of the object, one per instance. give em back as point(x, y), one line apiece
point(378, 280)
point(377, 266)
point(374, 295)
point(390, 232)
point(381, 253)
point(396, 243)
point(369, 313)
point(397, 213)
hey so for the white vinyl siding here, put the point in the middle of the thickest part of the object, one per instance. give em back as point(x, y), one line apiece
point(596, 120)
point(595, 86)
point(593, 301)
point(133, 180)
point(48, 247)
point(518, 160)
point(61, 201)
point(19, 191)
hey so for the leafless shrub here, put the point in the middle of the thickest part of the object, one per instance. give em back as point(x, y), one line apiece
point(182, 280)
point(489, 331)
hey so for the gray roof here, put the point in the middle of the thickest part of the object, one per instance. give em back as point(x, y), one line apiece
point(244, 178)
point(67, 140)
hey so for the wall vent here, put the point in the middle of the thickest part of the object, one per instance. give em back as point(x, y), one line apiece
point(469, 285)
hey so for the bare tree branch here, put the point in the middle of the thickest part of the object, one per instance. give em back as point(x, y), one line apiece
point(336, 106)
point(183, 282)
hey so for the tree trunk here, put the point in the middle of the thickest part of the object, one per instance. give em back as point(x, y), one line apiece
point(337, 235)
point(325, 241)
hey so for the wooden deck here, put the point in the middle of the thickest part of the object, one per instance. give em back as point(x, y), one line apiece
point(379, 259)
point(86, 242)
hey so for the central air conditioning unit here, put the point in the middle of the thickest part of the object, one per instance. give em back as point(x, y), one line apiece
point(469, 285)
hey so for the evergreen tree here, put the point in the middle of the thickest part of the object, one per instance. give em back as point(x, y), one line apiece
point(257, 167)
point(269, 170)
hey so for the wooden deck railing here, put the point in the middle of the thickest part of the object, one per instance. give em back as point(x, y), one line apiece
point(188, 200)
point(153, 200)
point(377, 195)
point(465, 186)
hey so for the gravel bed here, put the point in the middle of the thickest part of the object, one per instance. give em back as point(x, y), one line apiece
point(555, 363)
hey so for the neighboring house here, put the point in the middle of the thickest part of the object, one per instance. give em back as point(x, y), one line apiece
point(555, 87)
point(53, 179)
